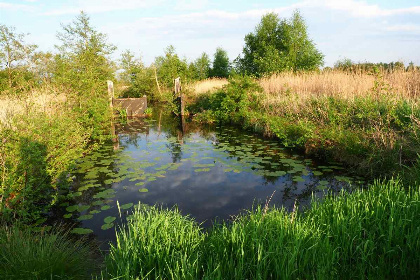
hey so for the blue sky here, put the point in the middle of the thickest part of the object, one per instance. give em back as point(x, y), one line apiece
point(372, 31)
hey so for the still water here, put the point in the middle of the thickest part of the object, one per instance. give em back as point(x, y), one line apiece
point(209, 173)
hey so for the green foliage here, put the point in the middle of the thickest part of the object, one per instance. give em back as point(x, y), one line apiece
point(157, 244)
point(140, 79)
point(369, 233)
point(279, 45)
point(15, 56)
point(221, 65)
point(232, 103)
point(169, 67)
point(36, 154)
point(201, 67)
point(84, 66)
point(46, 255)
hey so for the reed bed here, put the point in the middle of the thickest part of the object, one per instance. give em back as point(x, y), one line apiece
point(42, 100)
point(343, 84)
point(209, 85)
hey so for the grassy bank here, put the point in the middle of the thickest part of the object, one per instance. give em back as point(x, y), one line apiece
point(42, 134)
point(375, 130)
point(367, 234)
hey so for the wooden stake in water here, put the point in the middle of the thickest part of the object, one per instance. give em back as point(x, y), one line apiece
point(110, 91)
point(178, 93)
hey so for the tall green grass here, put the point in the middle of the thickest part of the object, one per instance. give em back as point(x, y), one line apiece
point(368, 234)
point(28, 255)
point(156, 244)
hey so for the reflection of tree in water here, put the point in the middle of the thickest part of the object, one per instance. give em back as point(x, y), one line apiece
point(133, 129)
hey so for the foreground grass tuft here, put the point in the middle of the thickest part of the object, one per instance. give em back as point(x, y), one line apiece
point(28, 255)
point(370, 234)
point(156, 244)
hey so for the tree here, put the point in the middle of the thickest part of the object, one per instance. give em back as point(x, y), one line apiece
point(279, 45)
point(221, 64)
point(83, 62)
point(202, 67)
point(170, 66)
point(14, 53)
point(140, 79)
point(84, 66)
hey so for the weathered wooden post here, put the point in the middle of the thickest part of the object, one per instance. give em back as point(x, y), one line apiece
point(178, 93)
point(110, 92)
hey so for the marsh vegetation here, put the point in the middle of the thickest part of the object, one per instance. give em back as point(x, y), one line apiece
point(280, 169)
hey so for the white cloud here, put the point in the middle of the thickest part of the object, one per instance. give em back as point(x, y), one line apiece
point(101, 6)
point(403, 28)
point(15, 7)
point(363, 9)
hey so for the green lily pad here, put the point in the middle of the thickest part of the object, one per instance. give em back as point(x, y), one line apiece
point(94, 212)
point(81, 231)
point(126, 206)
point(72, 208)
point(298, 179)
point(317, 173)
point(107, 226)
point(109, 219)
point(105, 207)
point(82, 208)
point(143, 190)
point(85, 217)
point(67, 216)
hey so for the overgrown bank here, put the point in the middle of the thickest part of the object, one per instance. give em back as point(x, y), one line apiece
point(376, 133)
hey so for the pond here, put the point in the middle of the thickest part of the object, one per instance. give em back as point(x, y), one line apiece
point(208, 172)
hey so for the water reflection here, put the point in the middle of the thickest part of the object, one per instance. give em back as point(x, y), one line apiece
point(208, 172)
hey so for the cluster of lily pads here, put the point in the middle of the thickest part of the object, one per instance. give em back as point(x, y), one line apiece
point(96, 173)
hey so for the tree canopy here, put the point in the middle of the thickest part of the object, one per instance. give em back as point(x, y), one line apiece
point(221, 64)
point(279, 45)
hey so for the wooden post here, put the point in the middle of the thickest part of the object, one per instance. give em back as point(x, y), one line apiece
point(178, 93)
point(110, 91)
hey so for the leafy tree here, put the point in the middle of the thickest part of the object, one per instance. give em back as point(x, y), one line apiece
point(84, 62)
point(140, 79)
point(14, 55)
point(278, 45)
point(170, 66)
point(221, 64)
point(83, 65)
point(202, 67)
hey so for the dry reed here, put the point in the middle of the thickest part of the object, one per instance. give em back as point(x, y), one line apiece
point(209, 85)
point(42, 100)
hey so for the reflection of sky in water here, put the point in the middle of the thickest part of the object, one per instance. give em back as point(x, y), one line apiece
point(208, 195)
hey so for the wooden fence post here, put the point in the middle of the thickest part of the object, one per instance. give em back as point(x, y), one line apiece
point(110, 92)
point(178, 93)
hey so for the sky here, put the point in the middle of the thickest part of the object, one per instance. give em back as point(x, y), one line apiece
point(373, 31)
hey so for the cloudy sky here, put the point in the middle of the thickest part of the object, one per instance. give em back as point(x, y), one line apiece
point(372, 31)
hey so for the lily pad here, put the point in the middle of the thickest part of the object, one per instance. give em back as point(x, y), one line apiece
point(82, 208)
point(72, 208)
point(67, 216)
point(109, 219)
point(105, 207)
point(85, 217)
point(107, 226)
point(143, 190)
point(126, 206)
